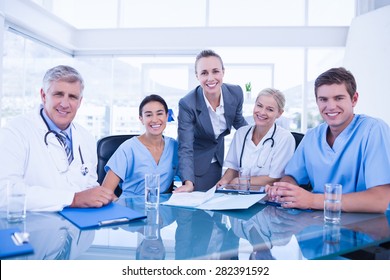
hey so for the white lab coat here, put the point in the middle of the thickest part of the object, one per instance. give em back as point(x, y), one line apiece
point(26, 158)
point(273, 159)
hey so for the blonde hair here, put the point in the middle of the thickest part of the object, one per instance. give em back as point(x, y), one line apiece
point(276, 94)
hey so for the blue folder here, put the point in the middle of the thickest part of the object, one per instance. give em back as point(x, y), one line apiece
point(10, 248)
point(108, 215)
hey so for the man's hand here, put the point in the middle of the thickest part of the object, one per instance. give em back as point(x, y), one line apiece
point(293, 196)
point(95, 197)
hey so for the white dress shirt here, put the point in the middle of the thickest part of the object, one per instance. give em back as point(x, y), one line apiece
point(217, 118)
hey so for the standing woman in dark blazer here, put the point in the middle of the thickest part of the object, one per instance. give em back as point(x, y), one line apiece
point(206, 115)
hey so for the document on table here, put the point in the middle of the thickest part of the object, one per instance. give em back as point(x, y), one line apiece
point(211, 200)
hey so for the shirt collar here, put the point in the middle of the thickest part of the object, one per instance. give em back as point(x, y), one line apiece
point(208, 105)
point(52, 125)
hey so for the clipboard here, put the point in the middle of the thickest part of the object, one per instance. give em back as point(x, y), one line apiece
point(279, 205)
point(230, 189)
point(13, 243)
point(108, 215)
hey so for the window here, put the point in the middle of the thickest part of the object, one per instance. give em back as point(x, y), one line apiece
point(115, 84)
point(24, 64)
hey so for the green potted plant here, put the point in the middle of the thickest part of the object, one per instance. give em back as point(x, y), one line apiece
point(248, 89)
point(248, 86)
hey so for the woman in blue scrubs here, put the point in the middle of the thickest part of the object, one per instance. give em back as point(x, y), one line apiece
point(150, 152)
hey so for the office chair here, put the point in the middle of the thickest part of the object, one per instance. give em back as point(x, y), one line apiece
point(106, 146)
point(298, 138)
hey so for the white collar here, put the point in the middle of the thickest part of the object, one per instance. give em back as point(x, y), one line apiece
point(208, 105)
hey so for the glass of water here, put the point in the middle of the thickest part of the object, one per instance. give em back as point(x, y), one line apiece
point(152, 190)
point(16, 201)
point(332, 203)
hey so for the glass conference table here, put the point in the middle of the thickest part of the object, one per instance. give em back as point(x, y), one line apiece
point(259, 232)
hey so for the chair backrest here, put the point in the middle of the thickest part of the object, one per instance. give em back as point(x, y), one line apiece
point(106, 146)
point(298, 138)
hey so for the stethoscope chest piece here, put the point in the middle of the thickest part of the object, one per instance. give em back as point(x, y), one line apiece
point(84, 170)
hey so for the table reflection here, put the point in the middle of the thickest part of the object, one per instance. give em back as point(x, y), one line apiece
point(293, 234)
point(151, 246)
point(203, 234)
point(52, 236)
point(260, 232)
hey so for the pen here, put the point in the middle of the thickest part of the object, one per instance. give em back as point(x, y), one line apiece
point(113, 221)
point(20, 238)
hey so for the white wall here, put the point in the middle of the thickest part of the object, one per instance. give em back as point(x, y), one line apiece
point(367, 56)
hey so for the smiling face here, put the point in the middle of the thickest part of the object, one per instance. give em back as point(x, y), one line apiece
point(154, 118)
point(61, 102)
point(266, 111)
point(210, 74)
point(336, 106)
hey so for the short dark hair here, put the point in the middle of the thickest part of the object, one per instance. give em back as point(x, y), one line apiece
point(338, 76)
point(207, 53)
point(150, 98)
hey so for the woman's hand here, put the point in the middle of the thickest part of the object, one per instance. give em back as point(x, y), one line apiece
point(187, 187)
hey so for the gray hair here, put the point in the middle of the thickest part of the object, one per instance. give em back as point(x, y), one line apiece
point(62, 73)
point(276, 94)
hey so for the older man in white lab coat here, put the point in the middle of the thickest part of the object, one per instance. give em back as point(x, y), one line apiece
point(59, 170)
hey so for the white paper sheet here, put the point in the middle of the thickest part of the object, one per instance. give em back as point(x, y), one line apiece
point(213, 201)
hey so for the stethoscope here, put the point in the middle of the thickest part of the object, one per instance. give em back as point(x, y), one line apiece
point(268, 139)
point(84, 170)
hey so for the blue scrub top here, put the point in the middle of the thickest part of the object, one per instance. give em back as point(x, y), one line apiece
point(132, 160)
point(359, 158)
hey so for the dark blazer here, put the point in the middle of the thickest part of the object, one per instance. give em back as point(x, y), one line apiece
point(197, 143)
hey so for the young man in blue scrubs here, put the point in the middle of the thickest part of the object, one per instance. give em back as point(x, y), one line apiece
point(349, 149)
